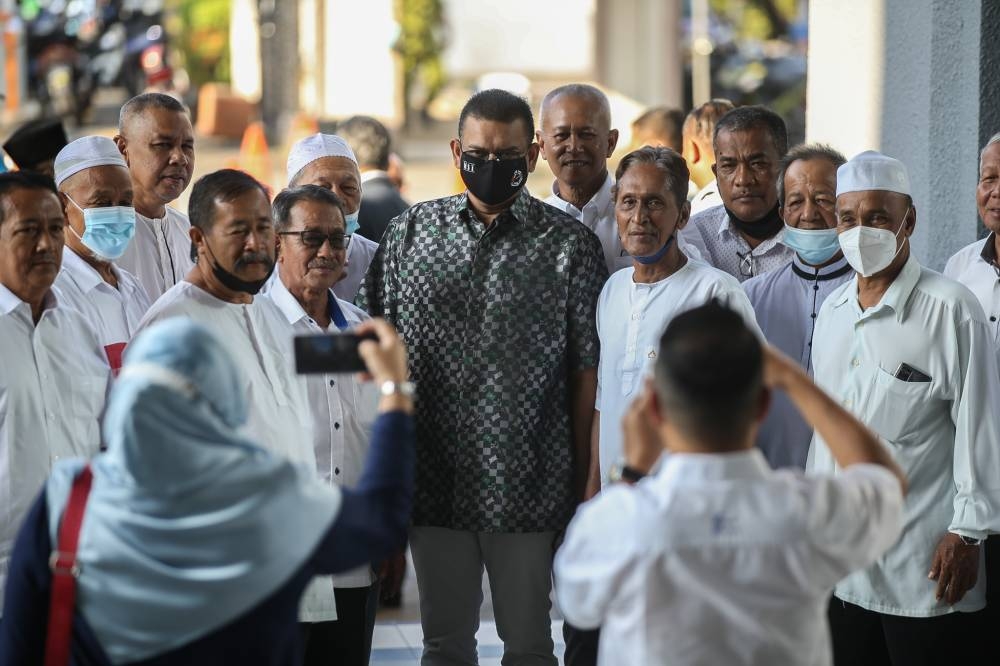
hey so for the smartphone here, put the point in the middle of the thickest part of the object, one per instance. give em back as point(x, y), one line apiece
point(329, 352)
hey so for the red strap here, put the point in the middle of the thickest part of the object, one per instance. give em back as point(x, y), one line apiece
point(114, 353)
point(64, 573)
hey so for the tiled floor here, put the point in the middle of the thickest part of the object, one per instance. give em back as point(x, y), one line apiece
point(398, 638)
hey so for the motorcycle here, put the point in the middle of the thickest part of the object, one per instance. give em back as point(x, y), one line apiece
point(132, 53)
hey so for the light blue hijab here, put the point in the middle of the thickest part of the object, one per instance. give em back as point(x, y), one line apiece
point(190, 523)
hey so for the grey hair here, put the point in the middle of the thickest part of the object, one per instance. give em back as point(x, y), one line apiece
point(806, 151)
point(667, 160)
point(579, 90)
point(281, 209)
point(993, 139)
point(140, 103)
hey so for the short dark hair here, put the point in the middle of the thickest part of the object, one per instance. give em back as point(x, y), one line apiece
point(222, 185)
point(150, 100)
point(369, 139)
point(806, 151)
point(746, 118)
point(499, 106)
point(281, 208)
point(709, 375)
point(22, 180)
point(701, 121)
point(673, 166)
point(663, 121)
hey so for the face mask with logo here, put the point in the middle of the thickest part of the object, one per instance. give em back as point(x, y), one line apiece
point(106, 231)
point(494, 181)
point(234, 282)
point(814, 246)
point(869, 250)
point(351, 222)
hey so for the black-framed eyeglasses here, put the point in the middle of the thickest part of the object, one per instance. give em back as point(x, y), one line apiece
point(479, 154)
point(315, 239)
point(748, 265)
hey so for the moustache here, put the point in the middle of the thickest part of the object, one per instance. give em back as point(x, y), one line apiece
point(253, 258)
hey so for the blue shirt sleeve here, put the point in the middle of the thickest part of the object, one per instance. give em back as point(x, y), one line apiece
point(26, 600)
point(375, 514)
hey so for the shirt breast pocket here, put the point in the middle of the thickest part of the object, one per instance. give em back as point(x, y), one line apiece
point(900, 409)
point(86, 396)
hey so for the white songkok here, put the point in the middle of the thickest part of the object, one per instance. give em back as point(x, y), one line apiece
point(85, 153)
point(871, 170)
point(316, 147)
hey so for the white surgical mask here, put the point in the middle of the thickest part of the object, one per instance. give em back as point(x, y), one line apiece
point(869, 250)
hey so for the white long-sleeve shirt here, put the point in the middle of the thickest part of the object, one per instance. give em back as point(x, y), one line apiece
point(631, 317)
point(160, 252)
point(944, 433)
point(717, 559)
point(113, 313)
point(53, 381)
point(975, 266)
point(343, 410)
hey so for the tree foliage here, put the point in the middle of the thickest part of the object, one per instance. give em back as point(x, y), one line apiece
point(420, 44)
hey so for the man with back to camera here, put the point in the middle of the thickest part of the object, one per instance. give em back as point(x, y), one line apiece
point(495, 295)
point(714, 558)
point(743, 235)
point(698, 152)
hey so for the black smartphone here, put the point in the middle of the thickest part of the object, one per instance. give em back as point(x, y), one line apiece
point(329, 352)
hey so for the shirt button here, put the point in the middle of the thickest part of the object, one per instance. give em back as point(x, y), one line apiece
point(993, 318)
point(855, 362)
point(847, 402)
point(815, 287)
point(635, 316)
point(332, 382)
point(336, 470)
point(336, 426)
point(813, 315)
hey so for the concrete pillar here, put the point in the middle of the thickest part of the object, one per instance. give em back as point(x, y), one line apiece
point(908, 79)
point(638, 49)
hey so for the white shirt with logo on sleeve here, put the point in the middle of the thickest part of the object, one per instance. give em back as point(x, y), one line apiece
point(631, 317)
point(717, 559)
point(943, 431)
point(53, 381)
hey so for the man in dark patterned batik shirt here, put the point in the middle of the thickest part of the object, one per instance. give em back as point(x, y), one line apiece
point(495, 294)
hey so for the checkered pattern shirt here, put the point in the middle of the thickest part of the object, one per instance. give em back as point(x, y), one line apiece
point(496, 323)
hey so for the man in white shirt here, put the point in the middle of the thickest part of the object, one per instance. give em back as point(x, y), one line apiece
point(637, 303)
point(53, 376)
point(576, 139)
point(326, 160)
point(156, 138)
point(714, 558)
point(309, 222)
point(96, 195)
point(908, 351)
point(787, 300)
point(698, 152)
point(742, 236)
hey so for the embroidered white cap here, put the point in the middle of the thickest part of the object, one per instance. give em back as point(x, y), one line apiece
point(871, 170)
point(316, 147)
point(85, 153)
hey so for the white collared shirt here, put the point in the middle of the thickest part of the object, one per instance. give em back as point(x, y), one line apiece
point(631, 317)
point(707, 197)
point(343, 410)
point(53, 380)
point(971, 267)
point(360, 252)
point(787, 302)
point(943, 433)
point(598, 215)
point(712, 233)
point(114, 313)
point(160, 252)
point(716, 559)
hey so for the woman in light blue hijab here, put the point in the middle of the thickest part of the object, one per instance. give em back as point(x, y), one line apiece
point(197, 544)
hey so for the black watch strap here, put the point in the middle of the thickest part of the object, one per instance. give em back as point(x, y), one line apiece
point(631, 475)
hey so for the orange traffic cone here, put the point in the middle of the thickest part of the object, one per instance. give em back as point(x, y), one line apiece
point(255, 157)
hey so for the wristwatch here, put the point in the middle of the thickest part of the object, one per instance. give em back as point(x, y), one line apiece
point(622, 472)
point(405, 389)
point(969, 541)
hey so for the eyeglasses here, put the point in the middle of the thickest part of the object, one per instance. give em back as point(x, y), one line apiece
point(748, 266)
point(315, 239)
point(502, 155)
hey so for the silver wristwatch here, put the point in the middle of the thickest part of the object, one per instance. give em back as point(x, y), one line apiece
point(405, 389)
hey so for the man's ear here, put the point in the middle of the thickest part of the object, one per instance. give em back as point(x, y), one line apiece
point(695, 152)
point(715, 171)
point(63, 203)
point(612, 142)
point(532, 156)
point(122, 146)
point(540, 140)
point(685, 216)
point(456, 153)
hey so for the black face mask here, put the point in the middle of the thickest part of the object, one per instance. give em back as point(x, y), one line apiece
point(234, 282)
point(764, 228)
point(494, 181)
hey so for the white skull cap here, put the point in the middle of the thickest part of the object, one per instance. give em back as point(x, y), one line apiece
point(871, 170)
point(85, 153)
point(315, 147)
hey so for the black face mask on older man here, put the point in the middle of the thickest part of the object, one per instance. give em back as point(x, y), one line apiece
point(494, 181)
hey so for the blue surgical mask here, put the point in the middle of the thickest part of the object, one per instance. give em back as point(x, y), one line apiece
point(814, 246)
point(107, 231)
point(351, 220)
